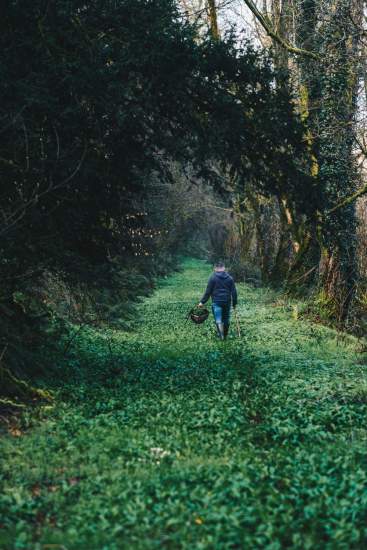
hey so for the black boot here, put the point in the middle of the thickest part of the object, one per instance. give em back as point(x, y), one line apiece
point(220, 330)
point(225, 331)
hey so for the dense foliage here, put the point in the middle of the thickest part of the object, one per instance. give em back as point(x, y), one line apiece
point(98, 102)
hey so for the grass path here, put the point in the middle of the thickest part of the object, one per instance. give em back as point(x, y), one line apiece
point(167, 438)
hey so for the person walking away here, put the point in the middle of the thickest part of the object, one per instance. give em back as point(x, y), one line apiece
point(222, 290)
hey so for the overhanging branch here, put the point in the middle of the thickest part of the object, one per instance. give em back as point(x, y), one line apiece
point(348, 200)
point(265, 23)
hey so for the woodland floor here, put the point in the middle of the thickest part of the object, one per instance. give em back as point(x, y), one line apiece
point(168, 438)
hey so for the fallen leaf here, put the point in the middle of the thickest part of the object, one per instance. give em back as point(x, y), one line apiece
point(15, 432)
point(36, 490)
point(74, 480)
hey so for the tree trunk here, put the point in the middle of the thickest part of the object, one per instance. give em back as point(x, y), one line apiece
point(328, 106)
point(213, 19)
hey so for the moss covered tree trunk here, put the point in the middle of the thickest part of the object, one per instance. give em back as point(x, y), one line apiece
point(328, 104)
point(337, 170)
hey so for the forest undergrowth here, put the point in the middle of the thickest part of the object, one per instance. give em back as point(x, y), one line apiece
point(165, 437)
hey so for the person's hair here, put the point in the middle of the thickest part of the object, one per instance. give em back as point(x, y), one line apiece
point(219, 264)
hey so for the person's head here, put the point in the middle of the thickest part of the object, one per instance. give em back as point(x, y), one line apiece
point(219, 266)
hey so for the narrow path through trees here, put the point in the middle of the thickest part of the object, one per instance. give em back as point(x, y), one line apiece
point(164, 437)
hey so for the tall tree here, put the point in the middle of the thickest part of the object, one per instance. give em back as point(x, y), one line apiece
point(324, 38)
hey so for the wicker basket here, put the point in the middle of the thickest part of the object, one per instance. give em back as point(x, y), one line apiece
point(198, 315)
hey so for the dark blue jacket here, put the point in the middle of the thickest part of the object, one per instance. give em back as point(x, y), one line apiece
point(221, 288)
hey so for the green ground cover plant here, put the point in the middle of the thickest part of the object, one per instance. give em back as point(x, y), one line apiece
point(163, 436)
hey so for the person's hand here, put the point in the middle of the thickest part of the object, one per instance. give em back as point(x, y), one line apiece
point(200, 304)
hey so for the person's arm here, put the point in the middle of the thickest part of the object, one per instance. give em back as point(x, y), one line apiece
point(234, 294)
point(209, 290)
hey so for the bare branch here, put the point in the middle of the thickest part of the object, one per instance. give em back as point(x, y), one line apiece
point(19, 213)
point(348, 200)
point(57, 143)
point(13, 120)
point(268, 27)
point(73, 174)
point(26, 146)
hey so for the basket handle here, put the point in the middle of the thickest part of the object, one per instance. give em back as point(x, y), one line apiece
point(189, 313)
